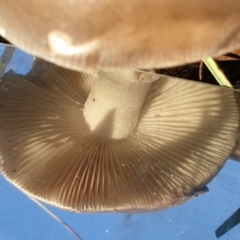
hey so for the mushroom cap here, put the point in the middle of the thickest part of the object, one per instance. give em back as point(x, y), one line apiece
point(84, 34)
point(185, 133)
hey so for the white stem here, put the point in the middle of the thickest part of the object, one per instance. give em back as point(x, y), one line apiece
point(114, 103)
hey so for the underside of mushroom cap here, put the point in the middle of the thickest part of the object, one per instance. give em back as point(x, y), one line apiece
point(185, 133)
point(83, 34)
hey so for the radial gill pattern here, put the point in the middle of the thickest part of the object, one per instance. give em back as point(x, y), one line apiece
point(185, 133)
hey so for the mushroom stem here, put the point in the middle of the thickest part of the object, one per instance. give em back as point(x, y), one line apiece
point(114, 103)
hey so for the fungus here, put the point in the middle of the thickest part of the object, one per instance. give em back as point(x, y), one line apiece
point(235, 155)
point(83, 34)
point(66, 139)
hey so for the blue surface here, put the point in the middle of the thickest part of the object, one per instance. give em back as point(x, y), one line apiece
point(20, 62)
point(20, 218)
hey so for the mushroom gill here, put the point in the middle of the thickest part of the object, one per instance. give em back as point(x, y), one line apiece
point(184, 134)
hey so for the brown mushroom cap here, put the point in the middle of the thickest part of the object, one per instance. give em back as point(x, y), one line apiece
point(185, 132)
point(84, 34)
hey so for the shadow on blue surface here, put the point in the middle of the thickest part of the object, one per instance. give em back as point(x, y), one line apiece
point(231, 222)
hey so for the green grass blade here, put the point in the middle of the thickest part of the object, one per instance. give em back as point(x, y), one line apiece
point(216, 72)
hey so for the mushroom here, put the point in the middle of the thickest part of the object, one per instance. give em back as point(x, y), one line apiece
point(126, 141)
point(87, 35)
point(235, 155)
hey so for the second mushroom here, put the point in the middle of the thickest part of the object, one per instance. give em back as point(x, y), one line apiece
point(113, 141)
